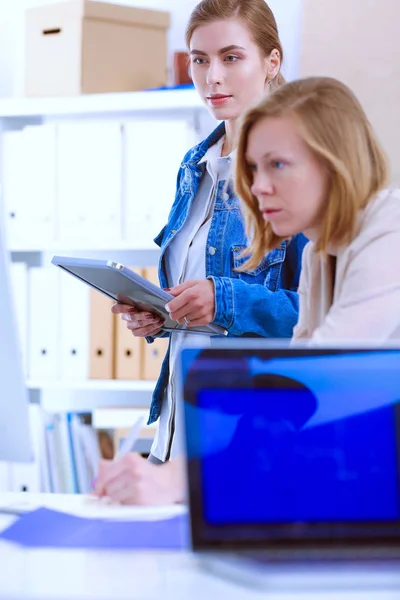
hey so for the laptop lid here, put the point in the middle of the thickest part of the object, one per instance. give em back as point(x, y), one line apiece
point(291, 447)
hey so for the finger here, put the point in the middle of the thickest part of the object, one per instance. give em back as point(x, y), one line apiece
point(175, 307)
point(137, 314)
point(118, 488)
point(127, 494)
point(200, 322)
point(141, 319)
point(108, 470)
point(195, 317)
point(178, 289)
point(145, 331)
point(119, 309)
point(181, 314)
point(193, 306)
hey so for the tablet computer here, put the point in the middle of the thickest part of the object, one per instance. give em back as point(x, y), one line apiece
point(126, 287)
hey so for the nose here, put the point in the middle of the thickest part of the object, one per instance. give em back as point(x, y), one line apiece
point(262, 185)
point(215, 74)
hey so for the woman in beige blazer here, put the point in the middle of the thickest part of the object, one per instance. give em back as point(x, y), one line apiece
point(308, 161)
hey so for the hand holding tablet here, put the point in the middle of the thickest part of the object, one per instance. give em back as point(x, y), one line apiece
point(126, 287)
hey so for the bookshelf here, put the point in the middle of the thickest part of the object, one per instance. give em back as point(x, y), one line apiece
point(100, 105)
point(93, 385)
point(160, 106)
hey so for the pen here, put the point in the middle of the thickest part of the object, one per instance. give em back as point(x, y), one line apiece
point(127, 444)
point(130, 440)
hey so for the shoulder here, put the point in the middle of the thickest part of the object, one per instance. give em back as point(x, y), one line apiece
point(308, 256)
point(197, 152)
point(382, 214)
point(378, 231)
point(191, 153)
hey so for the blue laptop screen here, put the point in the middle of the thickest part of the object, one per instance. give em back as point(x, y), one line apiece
point(303, 438)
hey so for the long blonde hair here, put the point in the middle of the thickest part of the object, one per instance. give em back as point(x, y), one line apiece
point(334, 125)
point(257, 15)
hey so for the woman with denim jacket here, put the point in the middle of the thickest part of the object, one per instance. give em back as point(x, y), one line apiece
point(235, 57)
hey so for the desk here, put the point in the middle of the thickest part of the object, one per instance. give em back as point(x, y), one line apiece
point(58, 574)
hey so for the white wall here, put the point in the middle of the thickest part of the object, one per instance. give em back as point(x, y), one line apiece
point(367, 59)
point(6, 47)
point(287, 12)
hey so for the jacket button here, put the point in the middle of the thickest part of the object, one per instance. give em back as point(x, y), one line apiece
point(212, 250)
point(173, 230)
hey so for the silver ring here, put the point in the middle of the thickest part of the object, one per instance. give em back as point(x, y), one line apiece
point(187, 321)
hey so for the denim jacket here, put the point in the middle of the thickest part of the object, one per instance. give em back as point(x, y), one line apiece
point(259, 303)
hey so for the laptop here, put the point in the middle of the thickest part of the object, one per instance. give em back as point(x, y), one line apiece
point(294, 463)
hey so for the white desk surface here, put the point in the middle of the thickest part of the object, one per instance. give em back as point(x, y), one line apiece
point(56, 574)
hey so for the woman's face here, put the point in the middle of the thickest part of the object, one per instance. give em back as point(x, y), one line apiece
point(289, 182)
point(227, 67)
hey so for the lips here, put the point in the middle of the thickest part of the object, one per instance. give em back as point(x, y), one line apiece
point(269, 213)
point(218, 99)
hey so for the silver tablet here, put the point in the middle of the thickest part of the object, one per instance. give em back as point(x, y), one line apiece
point(126, 287)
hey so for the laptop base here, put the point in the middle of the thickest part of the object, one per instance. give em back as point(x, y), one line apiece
point(305, 570)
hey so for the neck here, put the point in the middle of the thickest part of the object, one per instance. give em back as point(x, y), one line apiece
point(314, 232)
point(231, 131)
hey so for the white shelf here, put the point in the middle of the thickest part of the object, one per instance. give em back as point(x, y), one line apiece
point(110, 385)
point(101, 104)
point(57, 247)
point(119, 417)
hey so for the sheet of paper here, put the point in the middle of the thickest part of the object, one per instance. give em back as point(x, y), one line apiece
point(86, 506)
point(44, 528)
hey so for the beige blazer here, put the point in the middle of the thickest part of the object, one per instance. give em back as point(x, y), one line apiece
point(361, 301)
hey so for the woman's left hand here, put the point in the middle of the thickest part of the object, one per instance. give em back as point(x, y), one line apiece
point(194, 303)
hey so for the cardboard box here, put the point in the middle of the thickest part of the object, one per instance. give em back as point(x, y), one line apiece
point(86, 47)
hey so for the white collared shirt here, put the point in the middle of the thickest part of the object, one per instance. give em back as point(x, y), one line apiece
point(184, 261)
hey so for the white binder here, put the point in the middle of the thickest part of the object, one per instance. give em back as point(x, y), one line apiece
point(33, 476)
point(89, 182)
point(13, 188)
point(65, 459)
point(29, 186)
point(154, 152)
point(83, 472)
point(19, 281)
point(74, 341)
point(43, 324)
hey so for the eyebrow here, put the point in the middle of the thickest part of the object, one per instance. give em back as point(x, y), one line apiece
point(222, 51)
point(266, 155)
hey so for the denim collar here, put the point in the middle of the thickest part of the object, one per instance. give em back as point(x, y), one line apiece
point(200, 150)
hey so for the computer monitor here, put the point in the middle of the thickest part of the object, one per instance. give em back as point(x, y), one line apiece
point(290, 448)
point(15, 443)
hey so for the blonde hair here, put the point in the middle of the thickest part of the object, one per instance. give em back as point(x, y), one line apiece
point(257, 15)
point(333, 124)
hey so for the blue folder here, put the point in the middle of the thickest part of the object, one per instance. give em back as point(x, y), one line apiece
point(45, 528)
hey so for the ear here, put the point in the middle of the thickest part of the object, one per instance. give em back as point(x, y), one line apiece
point(274, 64)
